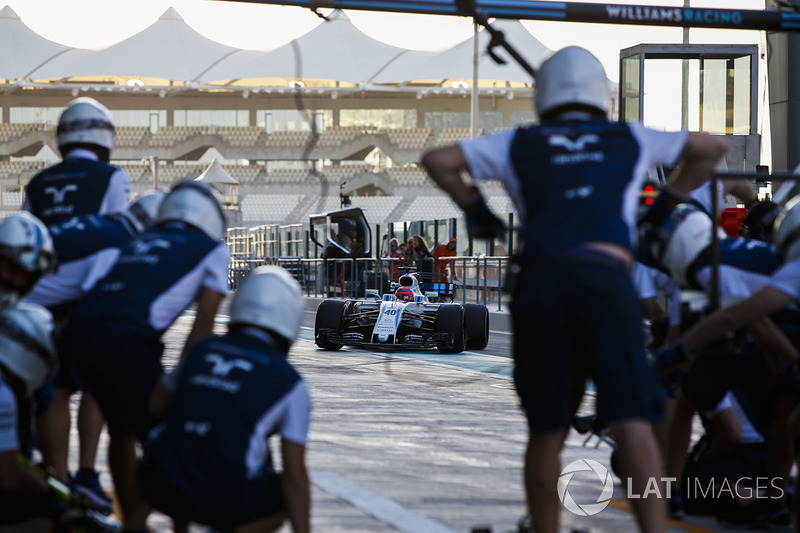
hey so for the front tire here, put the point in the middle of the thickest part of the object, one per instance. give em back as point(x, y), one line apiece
point(476, 322)
point(330, 314)
point(450, 320)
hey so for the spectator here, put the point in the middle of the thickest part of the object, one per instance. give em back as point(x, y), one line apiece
point(396, 255)
point(440, 253)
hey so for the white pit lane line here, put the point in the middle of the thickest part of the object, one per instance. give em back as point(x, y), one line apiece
point(375, 505)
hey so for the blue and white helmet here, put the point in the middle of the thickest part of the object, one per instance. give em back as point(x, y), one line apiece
point(194, 203)
point(25, 240)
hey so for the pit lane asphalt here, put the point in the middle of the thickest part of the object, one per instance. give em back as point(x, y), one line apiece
point(418, 442)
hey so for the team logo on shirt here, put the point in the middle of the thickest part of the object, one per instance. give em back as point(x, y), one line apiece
point(140, 251)
point(577, 149)
point(58, 194)
point(222, 366)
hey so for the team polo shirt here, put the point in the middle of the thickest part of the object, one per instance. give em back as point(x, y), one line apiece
point(745, 266)
point(79, 185)
point(573, 181)
point(231, 393)
point(157, 276)
point(86, 248)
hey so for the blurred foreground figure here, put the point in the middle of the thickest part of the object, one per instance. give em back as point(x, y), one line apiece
point(209, 461)
point(575, 180)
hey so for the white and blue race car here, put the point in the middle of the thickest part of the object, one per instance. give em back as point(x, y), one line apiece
point(407, 319)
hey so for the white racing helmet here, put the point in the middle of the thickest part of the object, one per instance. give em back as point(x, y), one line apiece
point(143, 212)
point(572, 76)
point(786, 236)
point(194, 203)
point(25, 240)
point(269, 298)
point(26, 344)
point(689, 233)
point(85, 121)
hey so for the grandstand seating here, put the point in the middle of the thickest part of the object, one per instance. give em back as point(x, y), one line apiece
point(244, 174)
point(376, 208)
point(10, 132)
point(430, 207)
point(288, 138)
point(130, 135)
point(408, 176)
point(334, 136)
point(170, 135)
point(408, 138)
point(266, 208)
point(239, 135)
point(137, 172)
point(11, 199)
point(169, 175)
point(451, 135)
point(20, 169)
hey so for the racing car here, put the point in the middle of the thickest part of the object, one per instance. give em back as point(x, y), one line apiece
point(406, 319)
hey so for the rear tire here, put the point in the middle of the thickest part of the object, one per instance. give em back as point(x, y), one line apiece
point(450, 320)
point(476, 322)
point(329, 316)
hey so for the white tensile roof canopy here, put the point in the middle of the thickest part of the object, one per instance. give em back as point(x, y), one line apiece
point(170, 50)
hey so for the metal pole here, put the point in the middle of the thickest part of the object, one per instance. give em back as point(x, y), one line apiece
point(474, 117)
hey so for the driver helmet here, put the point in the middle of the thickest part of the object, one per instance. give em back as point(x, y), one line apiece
point(404, 294)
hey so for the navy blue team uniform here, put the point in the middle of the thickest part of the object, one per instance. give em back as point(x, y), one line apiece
point(87, 247)
point(575, 182)
point(209, 461)
point(79, 185)
point(114, 331)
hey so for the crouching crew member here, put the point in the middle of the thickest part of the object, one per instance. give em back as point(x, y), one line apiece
point(209, 461)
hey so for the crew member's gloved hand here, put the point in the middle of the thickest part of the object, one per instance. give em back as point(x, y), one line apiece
point(481, 222)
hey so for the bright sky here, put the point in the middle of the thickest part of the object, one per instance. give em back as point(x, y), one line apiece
point(99, 23)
